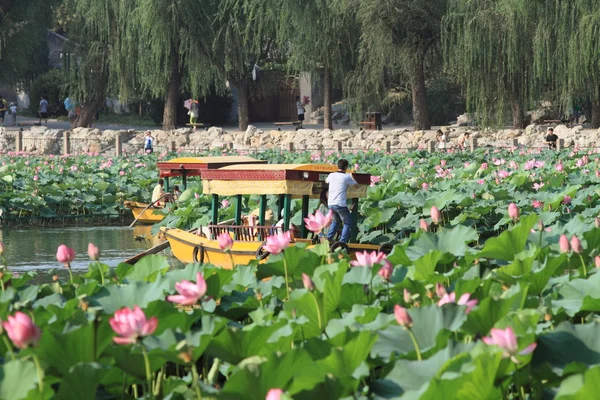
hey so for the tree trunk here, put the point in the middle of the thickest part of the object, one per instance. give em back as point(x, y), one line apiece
point(328, 124)
point(172, 100)
point(87, 115)
point(596, 113)
point(518, 116)
point(243, 109)
point(419, 97)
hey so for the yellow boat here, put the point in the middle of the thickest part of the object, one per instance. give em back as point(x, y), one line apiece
point(143, 213)
point(183, 167)
point(287, 181)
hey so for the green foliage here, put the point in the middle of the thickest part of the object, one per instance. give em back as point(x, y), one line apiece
point(51, 86)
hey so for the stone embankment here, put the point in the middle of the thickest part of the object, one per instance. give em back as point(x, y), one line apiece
point(52, 141)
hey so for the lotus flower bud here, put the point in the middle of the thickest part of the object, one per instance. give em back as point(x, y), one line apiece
point(597, 222)
point(563, 244)
point(436, 216)
point(576, 245)
point(540, 226)
point(597, 261)
point(402, 316)
point(424, 225)
point(307, 282)
point(408, 297)
point(2, 248)
point(93, 252)
point(513, 211)
point(440, 290)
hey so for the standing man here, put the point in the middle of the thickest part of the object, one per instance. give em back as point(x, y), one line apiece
point(148, 143)
point(551, 139)
point(3, 108)
point(43, 110)
point(301, 110)
point(338, 185)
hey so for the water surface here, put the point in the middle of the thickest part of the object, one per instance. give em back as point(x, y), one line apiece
point(35, 248)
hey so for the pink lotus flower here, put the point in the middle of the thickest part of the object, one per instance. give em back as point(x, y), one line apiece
point(402, 316)
point(411, 163)
point(366, 259)
point(93, 252)
point(274, 394)
point(563, 244)
point(507, 340)
point(425, 185)
point(597, 261)
point(196, 195)
point(503, 174)
point(424, 225)
point(130, 325)
point(480, 182)
point(576, 245)
point(189, 292)
point(35, 178)
point(407, 296)
point(484, 166)
point(307, 282)
point(277, 243)
point(538, 186)
point(316, 223)
point(436, 215)
point(374, 180)
point(121, 173)
point(65, 255)
point(440, 290)
point(356, 167)
point(513, 211)
point(566, 200)
point(559, 167)
point(21, 330)
point(386, 271)
point(224, 203)
point(225, 241)
point(463, 301)
point(537, 204)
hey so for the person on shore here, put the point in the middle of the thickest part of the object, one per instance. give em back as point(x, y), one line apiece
point(159, 196)
point(13, 113)
point(148, 143)
point(43, 110)
point(441, 139)
point(551, 139)
point(338, 186)
point(3, 108)
point(301, 110)
point(463, 140)
point(194, 112)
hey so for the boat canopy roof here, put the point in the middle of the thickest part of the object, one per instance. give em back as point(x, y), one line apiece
point(294, 179)
point(193, 166)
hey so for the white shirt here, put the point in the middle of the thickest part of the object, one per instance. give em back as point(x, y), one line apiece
point(43, 105)
point(13, 109)
point(338, 184)
point(300, 107)
point(157, 193)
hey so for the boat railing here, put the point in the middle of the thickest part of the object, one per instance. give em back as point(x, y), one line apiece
point(245, 233)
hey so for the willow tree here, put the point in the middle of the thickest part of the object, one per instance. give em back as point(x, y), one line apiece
point(23, 29)
point(320, 37)
point(488, 46)
point(94, 31)
point(398, 41)
point(243, 37)
point(567, 56)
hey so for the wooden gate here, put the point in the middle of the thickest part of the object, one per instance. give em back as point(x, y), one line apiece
point(277, 107)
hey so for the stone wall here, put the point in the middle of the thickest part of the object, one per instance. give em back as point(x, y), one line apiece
point(51, 141)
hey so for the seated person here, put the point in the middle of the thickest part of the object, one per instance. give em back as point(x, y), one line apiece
point(159, 196)
point(176, 193)
point(551, 139)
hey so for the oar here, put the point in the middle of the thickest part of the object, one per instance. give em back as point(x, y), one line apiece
point(147, 207)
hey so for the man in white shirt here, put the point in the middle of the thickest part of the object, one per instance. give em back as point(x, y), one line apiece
point(43, 110)
point(300, 109)
point(338, 185)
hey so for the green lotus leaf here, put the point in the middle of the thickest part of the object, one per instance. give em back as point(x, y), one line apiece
point(17, 378)
point(81, 381)
point(580, 386)
point(510, 242)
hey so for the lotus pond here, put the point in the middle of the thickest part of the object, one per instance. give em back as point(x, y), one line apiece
point(472, 303)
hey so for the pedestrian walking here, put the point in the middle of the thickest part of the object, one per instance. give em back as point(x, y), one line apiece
point(43, 110)
point(13, 113)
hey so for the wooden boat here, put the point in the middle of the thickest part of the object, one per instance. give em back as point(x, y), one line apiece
point(287, 181)
point(144, 214)
point(184, 168)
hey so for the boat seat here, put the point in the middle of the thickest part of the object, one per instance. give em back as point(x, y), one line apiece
point(244, 233)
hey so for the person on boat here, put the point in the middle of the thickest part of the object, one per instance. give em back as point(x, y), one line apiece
point(176, 193)
point(159, 196)
point(338, 186)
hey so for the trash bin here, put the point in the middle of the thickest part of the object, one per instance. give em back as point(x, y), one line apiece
point(375, 118)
